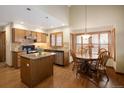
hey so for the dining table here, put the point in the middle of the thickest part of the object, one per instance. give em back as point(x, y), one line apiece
point(85, 60)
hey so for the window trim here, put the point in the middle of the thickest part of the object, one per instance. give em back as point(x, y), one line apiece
point(56, 33)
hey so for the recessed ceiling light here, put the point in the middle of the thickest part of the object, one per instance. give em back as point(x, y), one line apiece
point(51, 26)
point(28, 9)
point(21, 22)
point(63, 24)
point(41, 27)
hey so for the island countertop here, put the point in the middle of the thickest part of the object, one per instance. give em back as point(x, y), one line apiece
point(34, 56)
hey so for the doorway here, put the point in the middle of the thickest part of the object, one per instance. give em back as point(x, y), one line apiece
point(2, 47)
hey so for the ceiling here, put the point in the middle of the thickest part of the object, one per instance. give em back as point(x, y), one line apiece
point(33, 16)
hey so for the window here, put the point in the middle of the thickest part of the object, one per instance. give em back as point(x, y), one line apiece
point(59, 39)
point(52, 39)
point(97, 41)
point(56, 39)
point(78, 44)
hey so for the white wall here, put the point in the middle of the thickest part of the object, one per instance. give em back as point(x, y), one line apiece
point(66, 37)
point(8, 44)
point(97, 16)
point(101, 16)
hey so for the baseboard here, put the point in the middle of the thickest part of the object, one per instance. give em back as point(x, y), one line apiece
point(115, 70)
point(119, 73)
point(9, 65)
point(110, 67)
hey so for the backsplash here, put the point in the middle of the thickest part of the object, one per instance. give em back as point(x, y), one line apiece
point(65, 46)
point(17, 46)
point(42, 45)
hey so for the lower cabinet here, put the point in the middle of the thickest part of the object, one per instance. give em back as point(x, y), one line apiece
point(16, 59)
point(34, 71)
point(61, 57)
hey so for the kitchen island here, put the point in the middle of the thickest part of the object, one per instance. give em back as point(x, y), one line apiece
point(35, 67)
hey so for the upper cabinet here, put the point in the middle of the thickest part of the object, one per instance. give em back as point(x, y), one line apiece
point(56, 39)
point(34, 35)
point(19, 35)
point(43, 37)
point(39, 37)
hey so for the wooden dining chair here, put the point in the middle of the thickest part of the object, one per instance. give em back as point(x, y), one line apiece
point(99, 53)
point(100, 67)
point(76, 62)
point(101, 50)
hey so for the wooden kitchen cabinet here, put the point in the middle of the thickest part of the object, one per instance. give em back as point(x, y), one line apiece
point(31, 33)
point(38, 37)
point(28, 33)
point(34, 34)
point(16, 59)
point(2, 47)
point(18, 35)
point(34, 71)
point(41, 37)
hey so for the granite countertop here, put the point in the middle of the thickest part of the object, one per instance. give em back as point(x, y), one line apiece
point(52, 49)
point(17, 51)
point(34, 56)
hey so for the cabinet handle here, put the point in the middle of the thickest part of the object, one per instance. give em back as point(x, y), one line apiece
point(27, 65)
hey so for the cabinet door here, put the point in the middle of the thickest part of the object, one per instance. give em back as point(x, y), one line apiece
point(38, 37)
point(28, 34)
point(34, 35)
point(2, 47)
point(18, 35)
point(25, 71)
point(43, 38)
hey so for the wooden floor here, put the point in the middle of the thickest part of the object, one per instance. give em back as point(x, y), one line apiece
point(63, 77)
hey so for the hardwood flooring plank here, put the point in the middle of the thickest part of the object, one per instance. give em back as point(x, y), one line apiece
point(63, 77)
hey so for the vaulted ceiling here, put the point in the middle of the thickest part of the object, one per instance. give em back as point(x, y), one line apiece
point(36, 15)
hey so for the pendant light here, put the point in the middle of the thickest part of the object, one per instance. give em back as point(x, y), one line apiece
point(85, 35)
